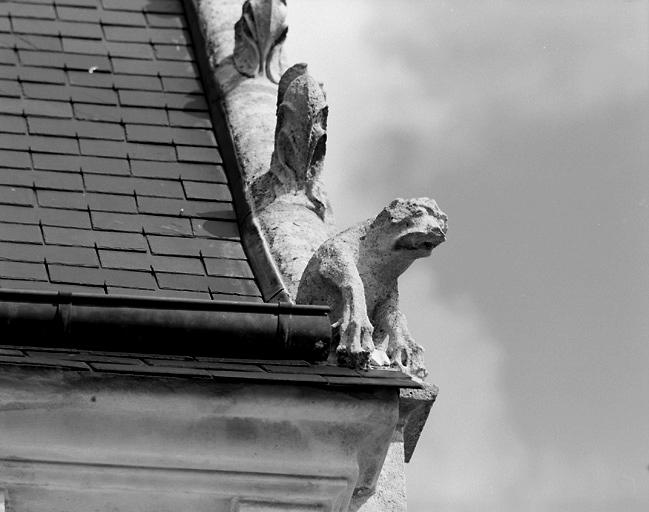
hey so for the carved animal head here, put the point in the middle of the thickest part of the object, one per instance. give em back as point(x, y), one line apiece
point(414, 227)
point(301, 135)
point(258, 39)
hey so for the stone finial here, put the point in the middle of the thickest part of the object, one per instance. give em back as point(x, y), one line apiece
point(258, 39)
point(300, 144)
point(355, 273)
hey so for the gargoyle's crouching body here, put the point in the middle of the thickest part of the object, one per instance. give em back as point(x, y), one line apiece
point(356, 273)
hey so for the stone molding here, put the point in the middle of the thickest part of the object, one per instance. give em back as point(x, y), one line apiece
point(75, 441)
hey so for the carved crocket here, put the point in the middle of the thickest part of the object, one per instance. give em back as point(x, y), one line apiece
point(355, 272)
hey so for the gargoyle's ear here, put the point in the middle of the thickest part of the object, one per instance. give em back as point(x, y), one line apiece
point(289, 75)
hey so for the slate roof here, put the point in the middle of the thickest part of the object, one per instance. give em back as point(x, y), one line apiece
point(110, 175)
point(217, 369)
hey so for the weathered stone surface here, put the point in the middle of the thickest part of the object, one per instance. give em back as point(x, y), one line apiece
point(78, 441)
point(258, 38)
point(355, 272)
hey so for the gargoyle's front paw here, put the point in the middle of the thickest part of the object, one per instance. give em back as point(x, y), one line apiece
point(356, 343)
point(409, 357)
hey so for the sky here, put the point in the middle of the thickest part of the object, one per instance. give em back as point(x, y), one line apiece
point(528, 122)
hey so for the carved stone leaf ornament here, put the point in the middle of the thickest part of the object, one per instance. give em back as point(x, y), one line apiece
point(258, 38)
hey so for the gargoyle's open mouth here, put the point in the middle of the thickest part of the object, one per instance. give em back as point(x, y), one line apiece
point(419, 242)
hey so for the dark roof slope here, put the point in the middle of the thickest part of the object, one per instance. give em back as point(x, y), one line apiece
point(110, 175)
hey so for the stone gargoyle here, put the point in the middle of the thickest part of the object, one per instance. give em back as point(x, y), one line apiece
point(355, 272)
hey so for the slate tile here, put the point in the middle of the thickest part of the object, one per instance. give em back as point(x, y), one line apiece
point(142, 83)
point(136, 223)
point(215, 229)
point(135, 67)
point(236, 298)
point(89, 46)
point(47, 108)
point(165, 20)
point(30, 26)
point(12, 124)
point(141, 98)
point(41, 75)
point(18, 284)
point(144, 116)
point(69, 236)
point(8, 71)
point(203, 209)
point(149, 370)
point(173, 52)
point(102, 165)
point(157, 188)
point(175, 170)
point(17, 177)
point(5, 26)
point(207, 365)
point(186, 85)
point(129, 50)
point(10, 88)
point(80, 3)
point(130, 279)
point(135, 19)
point(207, 191)
point(11, 106)
point(14, 251)
point(176, 246)
point(111, 203)
point(169, 36)
point(177, 68)
point(14, 141)
point(15, 159)
point(164, 6)
point(126, 260)
point(65, 218)
point(54, 145)
point(75, 275)
point(86, 62)
point(233, 286)
point(38, 58)
point(182, 282)
point(79, 256)
point(121, 290)
point(103, 148)
point(96, 130)
point(185, 101)
point(45, 362)
point(142, 151)
point(228, 268)
point(50, 126)
point(121, 241)
point(78, 14)
point(193, 137)
point(30, 42)
point(146, 133)
point(124, 5)
point(57, 180)
point(10, 352)
point(57, 162)
point(91, 112)
point(32, 11)
point(93, 95)
point(16, 196)
point(19, 214)
point(20, 233)
point(176, 265)
point(128, 34)
point(95, 79)
point(56, 199)
point(189, 119)
point(88, 357)
point(84, 30)
point(109, 184)
point(8, 56)
point(198, 154)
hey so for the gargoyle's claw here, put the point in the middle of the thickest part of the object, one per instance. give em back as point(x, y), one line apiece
point(379, 358)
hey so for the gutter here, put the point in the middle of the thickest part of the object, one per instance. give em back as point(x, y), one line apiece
point(119, 323)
